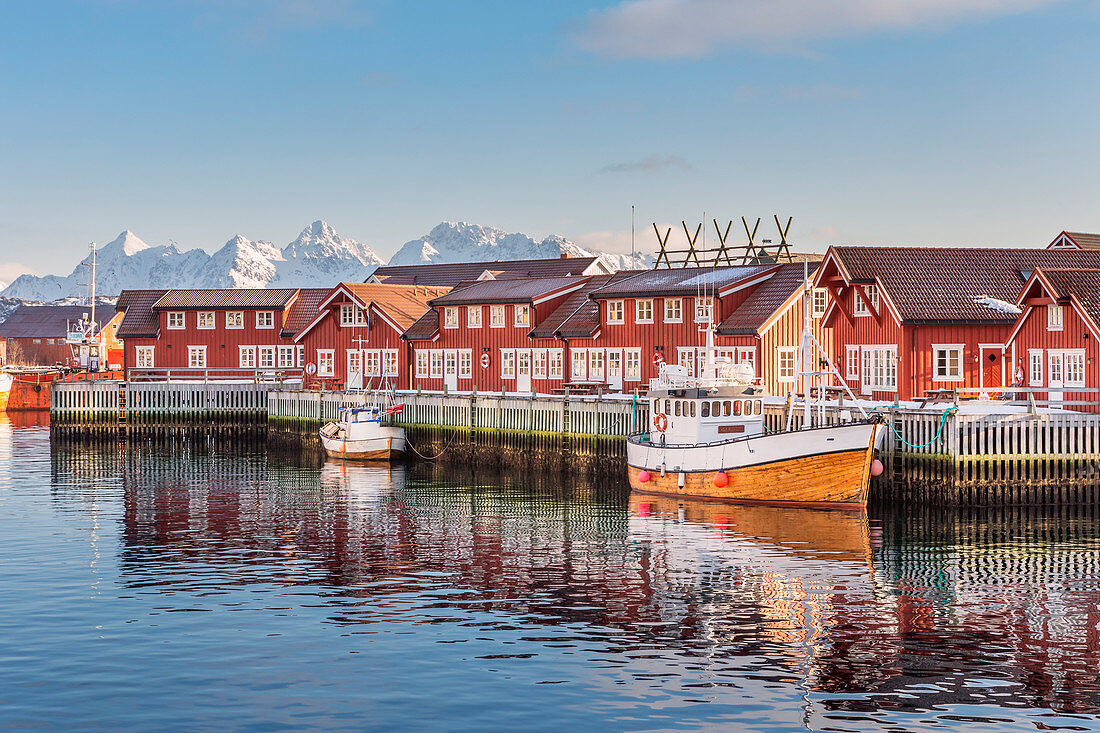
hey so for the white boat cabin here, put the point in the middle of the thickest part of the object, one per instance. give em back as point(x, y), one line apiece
point(693, 416)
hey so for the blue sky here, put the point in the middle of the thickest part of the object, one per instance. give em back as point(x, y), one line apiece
point(969, 122)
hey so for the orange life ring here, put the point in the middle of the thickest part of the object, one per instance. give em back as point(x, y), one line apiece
point(658, 359)
point(485, 360)
point(661, 422)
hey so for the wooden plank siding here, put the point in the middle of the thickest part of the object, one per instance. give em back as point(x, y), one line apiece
point(1075, 335)
point(786, 332)
point(377, 334)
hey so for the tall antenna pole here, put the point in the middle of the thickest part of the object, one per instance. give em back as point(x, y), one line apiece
point(92, 325)
point(632, 236)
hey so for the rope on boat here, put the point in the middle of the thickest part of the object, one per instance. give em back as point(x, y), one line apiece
point(437, 455)
point(939, 431)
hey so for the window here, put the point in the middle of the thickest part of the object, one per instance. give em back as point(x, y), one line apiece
point(265, 319)
point(496, 316)
point(36, 341)
point(1075, 368)
point(947, 362)
point(539, 370)
point(614, 365)
point(437, 364)
point(556, 366)
point(234, 319)
point(1054, 317)
point(859, 307)
point(633, 372)
point(595, 364)
point(144, 357)
point(674, 310)
point(685, 357)
point(286, 357)
point(465, 364)
point(523, 363)
point(820, 301)
point(422, 363)
point(206, 319)
point(450, 317)
point(473, 316)
point(879, 368)
point(1035, 367)
point(746, 354)
point(643, 311)
point(247, 358)
point(523, 315)
point(352, 315)
point(507, 364)
point(704, 309)
point(852, 361)
point(372, 363)
point(580, 364)
point(326, 358)
point(614, 311)
point(786, 364)
point(50, 341)
point(196, 357)
point(301, 354)
point(389, 363)
point(267, 357)
point(175, 320)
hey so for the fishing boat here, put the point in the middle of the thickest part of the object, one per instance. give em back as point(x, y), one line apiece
point(707, 438)
point(359, 435)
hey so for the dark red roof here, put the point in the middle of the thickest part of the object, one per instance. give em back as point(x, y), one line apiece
point(303, 310)
point(51, 321)
point(941, 284)
point(578, 316)
point(766, 298)
point(140, 320)
point(226, 298)
point(1083, 285)
point(451, 274)
point(678, 281)
point(425, 327)
point(510, 290)
point(1084, 240)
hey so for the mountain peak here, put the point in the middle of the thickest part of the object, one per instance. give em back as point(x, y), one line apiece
point(126, 243)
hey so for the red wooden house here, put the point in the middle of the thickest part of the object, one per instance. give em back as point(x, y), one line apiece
point(480, 336)
point(1054, 343)
point(1075, 240)
point(353, 336)
point(225, 333)
point(908, 320)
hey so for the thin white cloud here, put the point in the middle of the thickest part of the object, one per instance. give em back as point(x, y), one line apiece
point(651, 164)
point(693, 28)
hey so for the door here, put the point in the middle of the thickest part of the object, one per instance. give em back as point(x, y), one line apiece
point(615, 369)
point(355, 369)
point(450, 370)
point(523, 371)
point(991, 374)
point(1055, 377)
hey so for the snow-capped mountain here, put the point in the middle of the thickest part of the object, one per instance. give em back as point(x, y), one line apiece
point(318, 257)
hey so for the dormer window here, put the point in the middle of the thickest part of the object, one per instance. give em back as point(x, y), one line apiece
point(859, 306)
point(1054, 317)
point(352, 315)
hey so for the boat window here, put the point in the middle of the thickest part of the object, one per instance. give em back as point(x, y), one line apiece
point(716, 408)
point(748, 407)
point(668, 407)
point(726, 408)
point(656, 406)
point(737, 407)
point(691, 406)
point(704, 409)
point(759, 407)
point(676, 407)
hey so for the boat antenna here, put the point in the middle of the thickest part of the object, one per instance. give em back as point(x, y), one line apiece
point(632, 256)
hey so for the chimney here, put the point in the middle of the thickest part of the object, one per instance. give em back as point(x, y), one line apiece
point(565, 255)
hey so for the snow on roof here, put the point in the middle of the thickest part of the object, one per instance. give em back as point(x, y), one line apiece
point(1001, 306)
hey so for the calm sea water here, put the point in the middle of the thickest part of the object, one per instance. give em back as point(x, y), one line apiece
point(228, 589)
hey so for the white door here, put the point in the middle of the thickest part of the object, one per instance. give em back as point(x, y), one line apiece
point(355, 369)
point(615, 369)
point(523, 371)
point(1055, 377)
point(450, 370)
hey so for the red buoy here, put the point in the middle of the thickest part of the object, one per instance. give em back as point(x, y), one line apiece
point(721, 479)
point(643, 476)
point(876, 467)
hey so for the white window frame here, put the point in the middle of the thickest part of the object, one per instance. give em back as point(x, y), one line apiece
point(555, 362)
point(471, 312)
point(632, 365)
point(820, 301)
point(643, 310)
point(1056, 318)
point(301, 355)
point(177, 320)
point(465, 363)
point(539, 364)
point(234, 320)
point(265, 357)
point(685, 356)
point(597, 364)
point(391, 364)
point(851, 359)
point(704, 309)
point(326, 362)
point(496, 316)
point(192, 362)
point(372, 363)
point(678, 303)
point(507, 363)
point(145, 357)
point(786, 364)
point(519, 310)
point(246, 357)
point(578, 364)
point(879, 368)
point(450, 316)
point(859, 307)
point(436, 357)
point(205, 320)
point(352, 315)
point(1035, 359)
point(955, 375)
point(423, 364)
point(265, 320)
point(286, 357)
point(615, 310)
point(1069, 356)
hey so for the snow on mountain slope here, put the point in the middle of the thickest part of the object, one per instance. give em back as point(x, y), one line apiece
point(320, 255)
point(240, 263)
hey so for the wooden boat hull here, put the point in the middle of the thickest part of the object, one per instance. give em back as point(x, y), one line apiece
point(825, 467)
point(30, 392)
point(387, 444)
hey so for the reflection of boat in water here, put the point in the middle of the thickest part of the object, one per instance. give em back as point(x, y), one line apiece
point(799, 531)
point(360, 435)
point(363, 481)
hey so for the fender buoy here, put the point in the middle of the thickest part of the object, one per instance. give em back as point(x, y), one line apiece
point(876, 467)
point(643, 476)
point(485, 360)
point(721, 479)
point(661, 421)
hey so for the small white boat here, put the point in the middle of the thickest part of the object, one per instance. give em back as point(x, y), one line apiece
point(359, 435)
